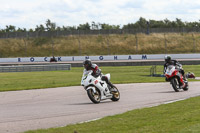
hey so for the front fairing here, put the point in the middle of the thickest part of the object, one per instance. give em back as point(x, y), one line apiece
point(170, 71)
point(87, 78)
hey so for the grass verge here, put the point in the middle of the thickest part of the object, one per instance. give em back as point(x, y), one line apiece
point(113, 44)
point(178, 117)
point(49, 79)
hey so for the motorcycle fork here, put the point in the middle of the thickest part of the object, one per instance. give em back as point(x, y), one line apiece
point(180, 79)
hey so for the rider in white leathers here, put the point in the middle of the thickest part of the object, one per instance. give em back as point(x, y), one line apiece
point(97, 72)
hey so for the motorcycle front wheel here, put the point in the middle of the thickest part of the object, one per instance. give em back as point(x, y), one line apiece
point(186, 87)
point(94, 97)
point(116, 95)
point(175, 84)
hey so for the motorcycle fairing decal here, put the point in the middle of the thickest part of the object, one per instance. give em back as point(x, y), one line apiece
point(96, 81)
point(106, 89)
point(85, 77)
point(101, 84)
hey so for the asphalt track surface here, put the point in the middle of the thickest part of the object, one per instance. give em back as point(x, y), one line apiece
point(55, 107)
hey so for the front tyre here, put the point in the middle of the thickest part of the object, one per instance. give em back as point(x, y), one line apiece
point(116, 95)
point(94, 97)
point(175, 84)
point(186, 87)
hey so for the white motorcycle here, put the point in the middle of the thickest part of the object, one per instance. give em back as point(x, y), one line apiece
point(97, 89)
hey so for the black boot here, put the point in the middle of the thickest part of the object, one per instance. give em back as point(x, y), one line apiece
point(184, 78)
point(112, 87)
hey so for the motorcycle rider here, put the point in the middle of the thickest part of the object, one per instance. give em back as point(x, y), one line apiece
point(169, 61)
point(97, 72)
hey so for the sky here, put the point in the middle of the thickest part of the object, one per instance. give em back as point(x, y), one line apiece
point(29, 13)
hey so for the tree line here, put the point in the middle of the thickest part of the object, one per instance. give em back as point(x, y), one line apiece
point(141, 23)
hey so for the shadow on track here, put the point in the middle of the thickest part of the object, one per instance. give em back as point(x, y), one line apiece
point(170, 91)
point(102, 102)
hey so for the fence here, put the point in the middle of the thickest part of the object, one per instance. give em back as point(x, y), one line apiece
point(95, 32)
point(31, 68)
point(100, 42)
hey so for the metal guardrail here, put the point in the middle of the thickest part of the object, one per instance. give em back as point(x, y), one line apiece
point(153, 72)
point(31, 68)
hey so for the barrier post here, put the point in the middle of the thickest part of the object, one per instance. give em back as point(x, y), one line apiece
point(194, 43)
point(79, 43)
point(165, 44)
point(136, 41)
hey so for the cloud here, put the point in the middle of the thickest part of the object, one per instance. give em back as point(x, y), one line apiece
point(28, 14)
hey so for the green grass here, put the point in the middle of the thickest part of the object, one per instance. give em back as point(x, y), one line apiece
point(37, 80)
point(178, 117)
point(48, 79)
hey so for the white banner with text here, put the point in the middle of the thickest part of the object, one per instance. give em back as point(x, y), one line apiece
point(101, 58)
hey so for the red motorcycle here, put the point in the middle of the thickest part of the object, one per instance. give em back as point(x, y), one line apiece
point(176, 79)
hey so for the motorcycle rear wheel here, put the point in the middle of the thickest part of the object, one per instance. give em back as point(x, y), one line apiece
point(94, 97)
point(175, 84)
point(116, 95)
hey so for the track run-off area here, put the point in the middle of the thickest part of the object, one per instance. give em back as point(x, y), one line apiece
point(55, 107)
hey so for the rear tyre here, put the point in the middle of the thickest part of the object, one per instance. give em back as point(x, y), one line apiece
point(116, 95)
point(94, 97)
point(175, 84)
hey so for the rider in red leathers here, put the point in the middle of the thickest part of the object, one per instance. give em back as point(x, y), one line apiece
point(169, 61)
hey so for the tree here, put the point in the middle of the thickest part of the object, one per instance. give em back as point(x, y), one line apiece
point(30, 30)
point(58, 28)
point(96, 26)
point(107, 26)
point(21, 30)
point(50, 26)
point(40, 28)
point(10, 28)
point(2, 31)
point(167, 23)
point(84, 26)
point(179, 23)
point(142, 22)
point(69, 28)
point(156, 24)
point(130, 26)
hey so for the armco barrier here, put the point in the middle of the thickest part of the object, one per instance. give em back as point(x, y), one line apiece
point(31, 68)
point(137, 63)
